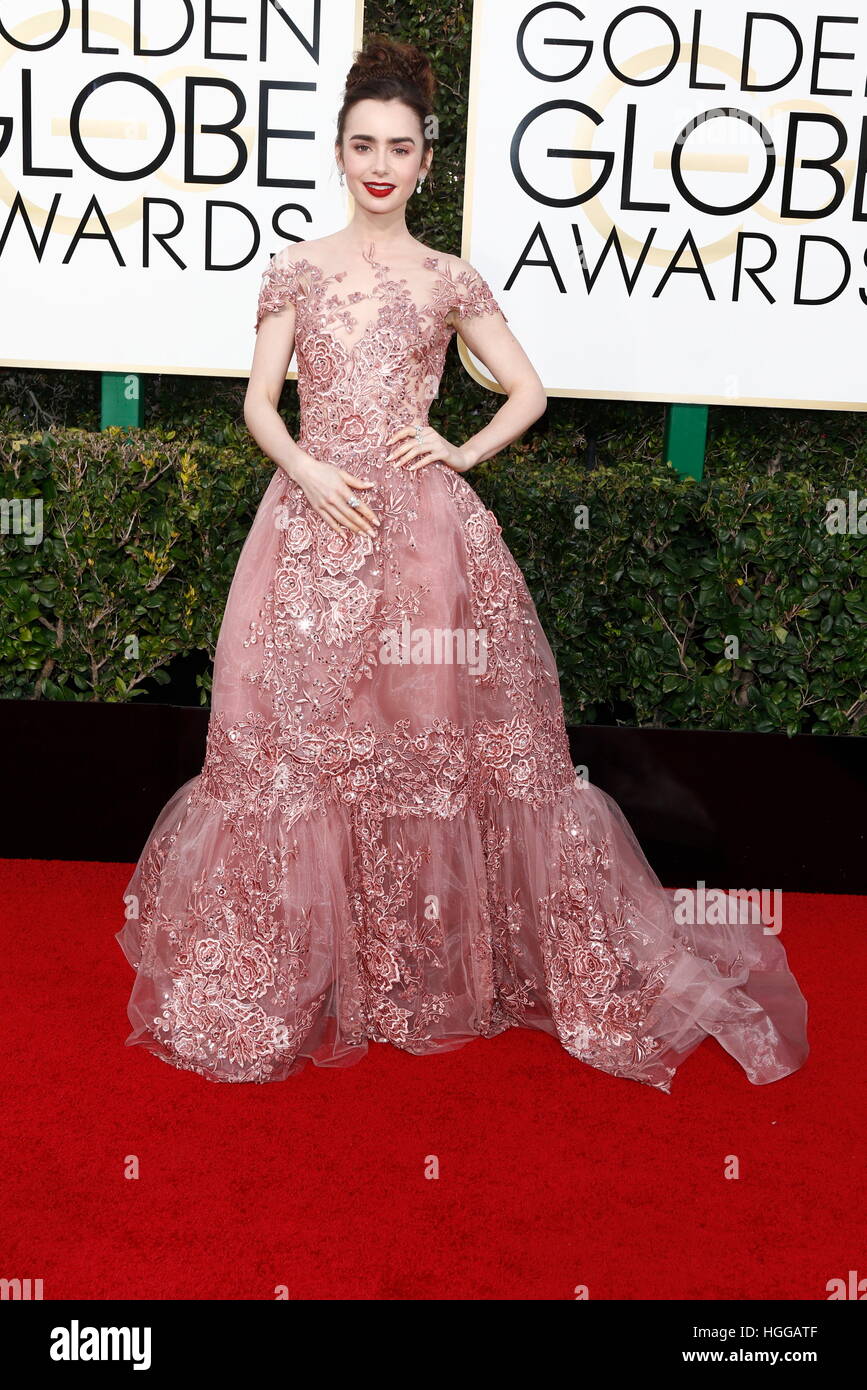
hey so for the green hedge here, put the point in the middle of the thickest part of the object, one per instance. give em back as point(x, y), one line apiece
point(143, 530)
point(641, 604)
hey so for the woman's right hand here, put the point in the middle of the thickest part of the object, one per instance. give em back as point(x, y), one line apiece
point(328, 488)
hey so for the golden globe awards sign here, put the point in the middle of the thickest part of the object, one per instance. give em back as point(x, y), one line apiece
point(152, 157)
point(671, 200)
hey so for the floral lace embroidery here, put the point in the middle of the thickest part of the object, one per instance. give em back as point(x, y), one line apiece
point(312, 643)
point(355, 392)
point(231, 990)
point(467, 291)
point(600, 993)
point(290, 280)
point(258, 770)
point(237, 966)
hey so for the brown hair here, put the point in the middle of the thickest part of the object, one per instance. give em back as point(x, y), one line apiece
point(386, 69)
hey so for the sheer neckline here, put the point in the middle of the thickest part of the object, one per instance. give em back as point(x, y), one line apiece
point(429, 262)
point(387, 289)
point(375, 260)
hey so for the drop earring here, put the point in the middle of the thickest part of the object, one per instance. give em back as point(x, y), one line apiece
point(341, 178)
point(420, 182)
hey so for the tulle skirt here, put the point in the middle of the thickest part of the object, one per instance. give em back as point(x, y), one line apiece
point(388, 842)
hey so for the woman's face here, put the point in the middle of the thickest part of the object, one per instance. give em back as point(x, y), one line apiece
point(383, 153)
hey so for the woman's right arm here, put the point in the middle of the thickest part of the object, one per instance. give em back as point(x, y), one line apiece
point(326, 488)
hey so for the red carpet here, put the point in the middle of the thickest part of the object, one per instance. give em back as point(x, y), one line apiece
point(552, 1174)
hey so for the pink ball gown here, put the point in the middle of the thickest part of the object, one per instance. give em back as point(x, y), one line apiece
point(387, 841)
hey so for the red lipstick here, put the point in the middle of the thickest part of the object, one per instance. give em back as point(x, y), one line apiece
point(380, 190)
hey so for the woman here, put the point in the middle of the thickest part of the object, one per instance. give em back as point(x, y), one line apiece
point(387, 841)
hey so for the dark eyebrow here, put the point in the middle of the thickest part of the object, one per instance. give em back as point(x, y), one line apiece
point(393, 139)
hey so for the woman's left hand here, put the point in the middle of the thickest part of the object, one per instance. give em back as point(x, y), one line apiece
point(427, 448)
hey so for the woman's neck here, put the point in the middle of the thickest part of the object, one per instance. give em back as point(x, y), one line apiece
point(384, 233)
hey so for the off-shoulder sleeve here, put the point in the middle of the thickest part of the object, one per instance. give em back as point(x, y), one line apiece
point(279, 285)
point(474, 295)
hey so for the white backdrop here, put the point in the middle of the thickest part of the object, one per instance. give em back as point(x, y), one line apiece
point(77, 161)
point(543, 89)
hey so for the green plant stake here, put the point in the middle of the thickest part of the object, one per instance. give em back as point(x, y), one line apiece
point(122, 403)
point(685, 439)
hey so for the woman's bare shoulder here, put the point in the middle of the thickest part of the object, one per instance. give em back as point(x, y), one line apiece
point(312, 251)
point(454, 265)
point(445, 258)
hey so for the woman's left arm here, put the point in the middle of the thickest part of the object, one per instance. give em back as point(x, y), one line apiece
point(489, 337)
point(486, 332)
